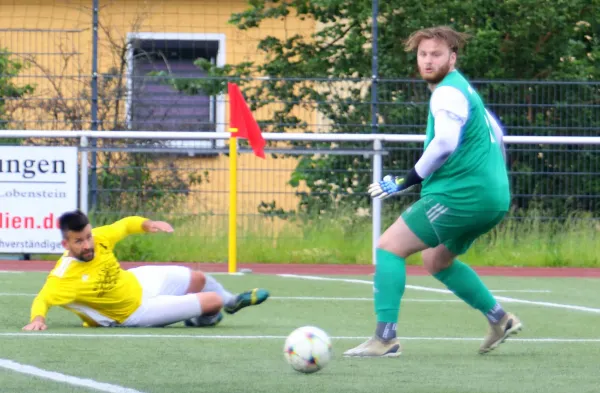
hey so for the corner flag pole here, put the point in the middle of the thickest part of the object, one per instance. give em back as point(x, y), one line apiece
point(241, 125)
point(232, 260)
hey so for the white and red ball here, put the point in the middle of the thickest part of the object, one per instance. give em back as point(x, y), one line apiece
point(308, 349)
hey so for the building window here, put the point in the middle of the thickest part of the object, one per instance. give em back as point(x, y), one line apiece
point(153, 105)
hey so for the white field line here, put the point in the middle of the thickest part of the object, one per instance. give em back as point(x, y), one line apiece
point(225, 274)
point(16, 294)
point(436, 290)
point(40, 335)
point(522, 290)
point(209, 273)
point(306, 298)
point(67, 379)
point(357, 299)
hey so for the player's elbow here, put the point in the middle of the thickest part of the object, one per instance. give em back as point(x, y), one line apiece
point(445, 146)
point(129, 225)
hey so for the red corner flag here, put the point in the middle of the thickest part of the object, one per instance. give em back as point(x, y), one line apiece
point(241, 118)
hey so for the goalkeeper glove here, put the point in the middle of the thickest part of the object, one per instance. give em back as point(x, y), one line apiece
point(393, 185)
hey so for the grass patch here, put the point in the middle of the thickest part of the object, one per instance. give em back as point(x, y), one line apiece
point(260, 239)
point(247, 363)
point(344, 238)
point(531, 241)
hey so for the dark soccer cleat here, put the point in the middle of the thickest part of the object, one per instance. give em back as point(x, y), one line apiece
point(248, 298)
point(204, 320)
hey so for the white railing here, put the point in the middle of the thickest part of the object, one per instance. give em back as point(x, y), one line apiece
point(376, 139)
point(323, 137)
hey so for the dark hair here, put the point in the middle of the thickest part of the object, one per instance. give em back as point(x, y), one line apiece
point(73, 221)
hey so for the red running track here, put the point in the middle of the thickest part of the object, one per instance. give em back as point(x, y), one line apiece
point(323, 269)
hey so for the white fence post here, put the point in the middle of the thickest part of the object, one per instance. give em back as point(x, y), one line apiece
point(376, 207)
point(83, 175)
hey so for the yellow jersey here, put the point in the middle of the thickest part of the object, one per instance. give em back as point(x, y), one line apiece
point(100, 292)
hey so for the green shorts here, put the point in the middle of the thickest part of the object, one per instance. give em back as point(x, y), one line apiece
point(436, 224)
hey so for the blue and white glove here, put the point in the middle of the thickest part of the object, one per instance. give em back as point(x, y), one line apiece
point(389, 186)
point(394, 185)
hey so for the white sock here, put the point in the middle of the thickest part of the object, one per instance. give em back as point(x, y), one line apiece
point(213, 285)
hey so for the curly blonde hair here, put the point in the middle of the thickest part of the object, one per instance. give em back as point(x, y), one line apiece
point(453, 38)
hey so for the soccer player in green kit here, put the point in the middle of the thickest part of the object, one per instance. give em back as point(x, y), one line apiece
point(465, 193)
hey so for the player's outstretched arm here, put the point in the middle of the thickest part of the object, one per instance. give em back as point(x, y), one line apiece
point(55, 292)
point(156, 226)
point(445, 142)
point(450, 110)
point(131, 225)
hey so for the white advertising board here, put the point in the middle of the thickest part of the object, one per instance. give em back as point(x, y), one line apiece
point(37, 185)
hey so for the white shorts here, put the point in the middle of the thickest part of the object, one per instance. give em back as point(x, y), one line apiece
point(164, 298)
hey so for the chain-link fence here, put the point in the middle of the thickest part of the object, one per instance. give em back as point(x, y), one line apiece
point(306, 194)
point(81, 65)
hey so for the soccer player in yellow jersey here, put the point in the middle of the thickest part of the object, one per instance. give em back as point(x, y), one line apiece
point(89, 281)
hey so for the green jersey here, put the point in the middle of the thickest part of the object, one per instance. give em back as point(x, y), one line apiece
point(474, 177)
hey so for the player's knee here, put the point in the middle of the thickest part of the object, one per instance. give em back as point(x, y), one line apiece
point(210, 302)
point(436, 267)
point(429, 264)
point(387, 245)
point(395, 248)
point(197, 282)
point(389, 241)
point(436, 259)
point(400, 240)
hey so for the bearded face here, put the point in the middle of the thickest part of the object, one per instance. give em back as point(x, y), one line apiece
point(80, 244)
point(435, 60)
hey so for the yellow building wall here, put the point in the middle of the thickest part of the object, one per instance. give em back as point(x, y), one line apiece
point(55, 38)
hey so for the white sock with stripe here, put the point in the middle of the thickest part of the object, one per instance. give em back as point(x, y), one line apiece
point(213, 285)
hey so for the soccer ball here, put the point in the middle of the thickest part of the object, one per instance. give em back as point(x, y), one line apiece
point(307, 349)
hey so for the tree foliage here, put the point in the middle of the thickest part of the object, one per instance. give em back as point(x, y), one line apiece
point(10, 91)
point(530, 41)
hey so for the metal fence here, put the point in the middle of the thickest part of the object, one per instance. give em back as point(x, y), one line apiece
point(556, 179)
point(100, 65)
point(293, 186)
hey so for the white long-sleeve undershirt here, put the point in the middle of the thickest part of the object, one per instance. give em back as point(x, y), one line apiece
point(450, 110)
